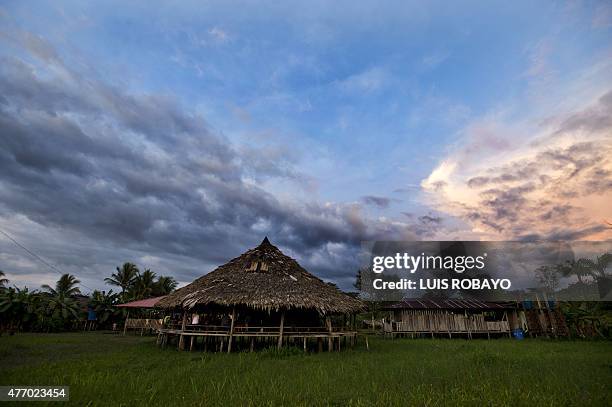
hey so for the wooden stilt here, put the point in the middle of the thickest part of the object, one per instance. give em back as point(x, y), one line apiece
point(231, 334)
point(330, 344)
point(181, 344)
point(282, 327)
point(125, 324)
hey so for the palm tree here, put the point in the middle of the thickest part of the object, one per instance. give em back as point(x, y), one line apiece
point(597, 268)
point(65, 286)
point(144, 284)
point(62, 308)
point(124, 277)
point(103, 304)
point(17, 308)
point(573, 268)
point(165, 285)
point(59, 309)
point(3, 280)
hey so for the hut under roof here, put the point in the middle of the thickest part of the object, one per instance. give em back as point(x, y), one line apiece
point(263, 278)
point(260, 295)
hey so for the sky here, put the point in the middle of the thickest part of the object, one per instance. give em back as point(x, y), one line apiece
point(176, 135)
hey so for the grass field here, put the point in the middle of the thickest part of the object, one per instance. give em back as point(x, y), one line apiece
point(106, 369)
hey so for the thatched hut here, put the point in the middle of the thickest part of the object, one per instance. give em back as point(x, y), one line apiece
point(259, 297)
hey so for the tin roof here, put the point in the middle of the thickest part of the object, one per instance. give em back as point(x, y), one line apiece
point(451, 304)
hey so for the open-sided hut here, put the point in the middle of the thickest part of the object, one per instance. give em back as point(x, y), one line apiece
point(259, 298)
point(141, 323)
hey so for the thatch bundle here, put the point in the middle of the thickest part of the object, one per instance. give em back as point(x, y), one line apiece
point(263, 278)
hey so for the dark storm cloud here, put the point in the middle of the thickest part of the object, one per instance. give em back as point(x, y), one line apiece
point(596, 118)
point(429, 219)
point(142, 172)
point(562, 234)
point(378, 201)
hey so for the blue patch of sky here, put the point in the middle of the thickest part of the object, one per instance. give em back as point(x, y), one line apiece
point(382, 91)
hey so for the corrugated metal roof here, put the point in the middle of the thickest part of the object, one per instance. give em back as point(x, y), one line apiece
point(146, 303)
point(451, 304)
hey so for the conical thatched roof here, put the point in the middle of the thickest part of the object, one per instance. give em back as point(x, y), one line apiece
point(263, 278)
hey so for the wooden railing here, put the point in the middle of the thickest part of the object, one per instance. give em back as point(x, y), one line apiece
point(443, 323)
point(254, 330)
point(143, 323)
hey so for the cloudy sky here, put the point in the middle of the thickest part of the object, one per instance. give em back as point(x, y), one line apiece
point(177, 136)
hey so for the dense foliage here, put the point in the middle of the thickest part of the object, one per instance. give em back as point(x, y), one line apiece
point(63, 307)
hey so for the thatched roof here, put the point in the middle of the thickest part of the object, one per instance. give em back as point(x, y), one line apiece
point(263, 278)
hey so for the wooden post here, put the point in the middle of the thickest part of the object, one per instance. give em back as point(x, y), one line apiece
point(282, 327)
point(304, 343)
point(330, 344)
point(181, 344)
point(231, 334)
point(125, 324)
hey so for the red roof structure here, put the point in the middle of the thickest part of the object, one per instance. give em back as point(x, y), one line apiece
point(146, 303)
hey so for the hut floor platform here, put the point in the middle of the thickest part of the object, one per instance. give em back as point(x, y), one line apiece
point(223, 337)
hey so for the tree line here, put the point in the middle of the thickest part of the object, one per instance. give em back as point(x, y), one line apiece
point(64, 307)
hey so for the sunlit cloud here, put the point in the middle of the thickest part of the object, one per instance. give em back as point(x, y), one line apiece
point(550, 183)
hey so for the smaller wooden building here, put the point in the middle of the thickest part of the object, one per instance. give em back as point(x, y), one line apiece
point(468, 318)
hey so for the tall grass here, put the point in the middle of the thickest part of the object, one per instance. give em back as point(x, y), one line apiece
point(114, 370)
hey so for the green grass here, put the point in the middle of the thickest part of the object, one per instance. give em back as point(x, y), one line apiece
point(104, 369)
